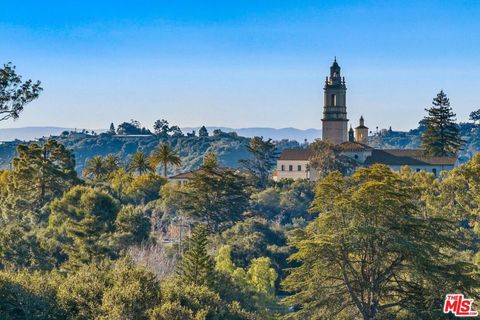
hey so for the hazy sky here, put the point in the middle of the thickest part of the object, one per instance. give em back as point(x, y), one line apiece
point(240, 63)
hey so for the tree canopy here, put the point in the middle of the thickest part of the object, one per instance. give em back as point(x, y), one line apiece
point(371, 253)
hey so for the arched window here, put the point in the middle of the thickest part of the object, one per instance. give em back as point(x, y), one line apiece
point(334, 99)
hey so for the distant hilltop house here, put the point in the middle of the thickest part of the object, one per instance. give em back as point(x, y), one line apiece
point(295, 163)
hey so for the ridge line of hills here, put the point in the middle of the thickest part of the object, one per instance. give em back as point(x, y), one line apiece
point(34, 132)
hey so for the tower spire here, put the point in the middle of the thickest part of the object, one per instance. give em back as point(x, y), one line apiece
point(335, 119)
point(351, 136)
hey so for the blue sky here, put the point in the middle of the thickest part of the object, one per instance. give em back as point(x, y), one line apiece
point(240, 63)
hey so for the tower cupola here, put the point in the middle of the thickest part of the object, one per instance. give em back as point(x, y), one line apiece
point(361, 132)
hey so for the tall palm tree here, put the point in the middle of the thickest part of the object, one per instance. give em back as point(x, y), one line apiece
point(164, 155)
point(140, 163)
point(112, 163)
point(95, 167)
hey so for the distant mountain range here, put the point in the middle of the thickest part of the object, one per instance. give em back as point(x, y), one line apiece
point(31, 133)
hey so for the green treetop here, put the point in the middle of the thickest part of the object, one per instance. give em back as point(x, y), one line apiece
point(197, 267)
point(15, 94)
point(215, 196)
point(441, 137)
point(140, 163)
point(39, 174)
point(165, 156)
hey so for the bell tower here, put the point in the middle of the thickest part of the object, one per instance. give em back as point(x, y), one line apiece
point(334, 122)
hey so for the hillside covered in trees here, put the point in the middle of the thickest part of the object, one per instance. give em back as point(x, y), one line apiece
point(229, 147)
point(123, 243)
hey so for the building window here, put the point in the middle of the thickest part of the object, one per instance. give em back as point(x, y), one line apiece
point(290, 168)
point(299, 168)
point(434, 172)
point(334, 99)
point(283, 168)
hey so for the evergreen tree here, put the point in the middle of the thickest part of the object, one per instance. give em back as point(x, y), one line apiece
point(215, 196)
point(202, 132)
point(263, 159)
point(442, 135)
point(112, 129)
point(39, 174)
point(84, 220)
point(15, 94)
point(197, 267)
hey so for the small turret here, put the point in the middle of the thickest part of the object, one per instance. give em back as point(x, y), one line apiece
point(361, 132)
point(351, 137)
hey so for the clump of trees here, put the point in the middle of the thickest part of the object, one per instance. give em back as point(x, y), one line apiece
point(131, 128)
point(375, 252)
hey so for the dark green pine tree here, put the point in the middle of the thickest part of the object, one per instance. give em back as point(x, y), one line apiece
point(197, 267)
point(203, 132)
point(441, 136)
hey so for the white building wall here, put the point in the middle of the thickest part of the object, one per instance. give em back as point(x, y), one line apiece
point(306, 173)
point(295, 174)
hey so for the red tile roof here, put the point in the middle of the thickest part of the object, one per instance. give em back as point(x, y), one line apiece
point(295, 154)
point(407, 157)
point(354, 146)
point(385, 156)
